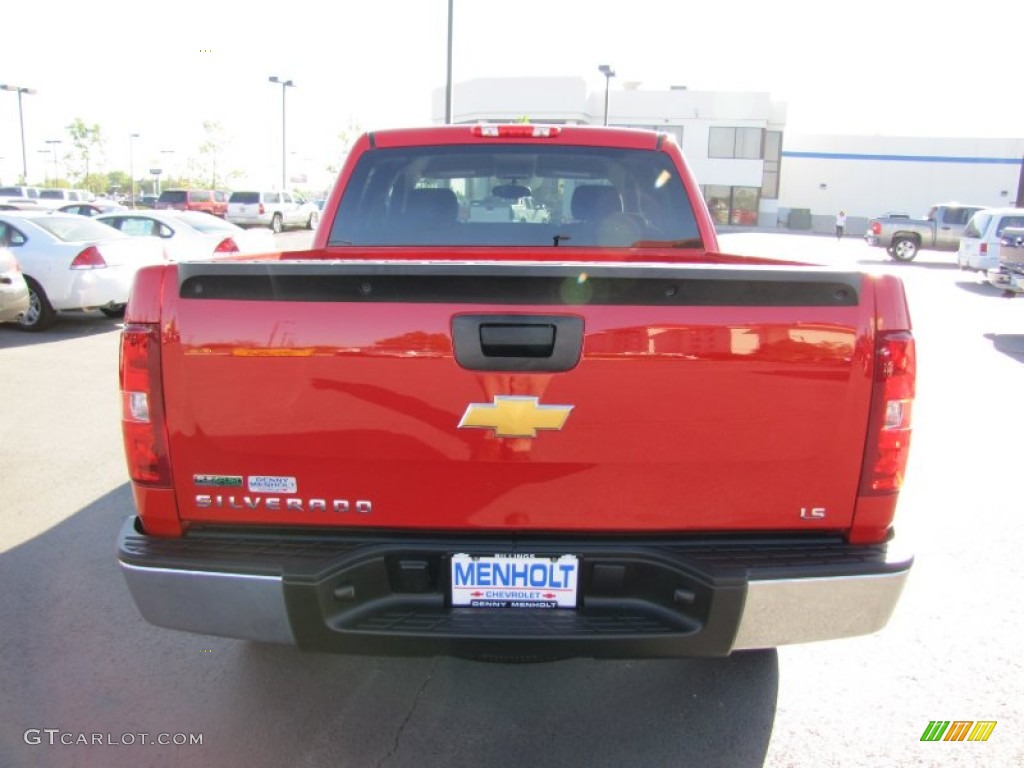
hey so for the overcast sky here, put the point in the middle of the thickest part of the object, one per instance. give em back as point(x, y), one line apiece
point(901, 67)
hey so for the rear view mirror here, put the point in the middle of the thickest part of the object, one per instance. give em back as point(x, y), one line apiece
point(511, 191)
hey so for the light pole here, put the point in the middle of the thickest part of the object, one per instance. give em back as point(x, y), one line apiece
point(285, 85)
point(167, 164)
point(608, 73)
point(131, 162)
point(46, 175)
point(53, 148)
point(21, 119)
point(448, 82)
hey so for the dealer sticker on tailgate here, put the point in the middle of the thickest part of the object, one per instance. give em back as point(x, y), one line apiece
point(514, 581)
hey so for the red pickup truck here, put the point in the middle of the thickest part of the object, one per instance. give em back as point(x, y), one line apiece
point(593, 435)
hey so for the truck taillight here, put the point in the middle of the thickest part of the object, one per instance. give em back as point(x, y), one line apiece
point(983, 248)
point(888, 446)
point(876, 228)
point(262, 209)
point(90, 258)
point(142, 417)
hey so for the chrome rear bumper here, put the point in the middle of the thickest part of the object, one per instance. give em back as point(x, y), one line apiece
point(652, 598)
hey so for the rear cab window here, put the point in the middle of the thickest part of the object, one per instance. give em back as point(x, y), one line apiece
point(957, 215)
point(464, 195)
point(244, 198)
point(977, 225)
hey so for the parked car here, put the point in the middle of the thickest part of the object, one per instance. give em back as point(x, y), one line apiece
point(980, 242)
point(72, 262)
point(94, 208)
point(60, 195)
point(188, 200)
point(19, 191)
point(13, 288)
point(1009, 275)
point(528, 210)
point(277, 210)
point(220, 202)
point(22, 204)
point(903, 237)
point(190, 235)
point(490, 209)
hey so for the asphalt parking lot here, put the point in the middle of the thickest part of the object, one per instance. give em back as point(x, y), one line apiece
point(78, 661)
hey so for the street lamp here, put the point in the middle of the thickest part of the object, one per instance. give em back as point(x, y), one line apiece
point(167, 163)
point(46, 175)
point(285, 85)
point(131, 162)
point(21, 119)
point(53, 148)
point(448, 81)
point(608, 73)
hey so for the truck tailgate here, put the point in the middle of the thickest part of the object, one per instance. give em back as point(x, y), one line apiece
point(526, 397)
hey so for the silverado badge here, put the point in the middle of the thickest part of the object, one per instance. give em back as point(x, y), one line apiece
point(512, 416)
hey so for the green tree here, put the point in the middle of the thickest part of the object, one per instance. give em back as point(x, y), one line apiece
point(211, 147)
point(346, 139)
point(87, 145)
point(118, 182)
point(95, 183)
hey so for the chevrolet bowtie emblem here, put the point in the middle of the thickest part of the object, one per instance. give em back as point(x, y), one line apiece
point(511, 416)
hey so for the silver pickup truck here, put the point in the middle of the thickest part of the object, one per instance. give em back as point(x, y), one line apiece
point(903, 237)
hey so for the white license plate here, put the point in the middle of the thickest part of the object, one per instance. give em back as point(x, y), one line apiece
point(514, 581)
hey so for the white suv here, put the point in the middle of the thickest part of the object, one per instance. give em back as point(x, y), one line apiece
point(62, 196)
point(277, 210)
point(979, 244)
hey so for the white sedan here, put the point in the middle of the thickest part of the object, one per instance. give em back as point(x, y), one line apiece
point(73, 262)
point(95, 208)
point(191, 235)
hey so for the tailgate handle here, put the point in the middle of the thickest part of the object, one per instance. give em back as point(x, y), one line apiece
point(517, 342)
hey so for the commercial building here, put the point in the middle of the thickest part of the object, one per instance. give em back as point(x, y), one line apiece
point(751, 171)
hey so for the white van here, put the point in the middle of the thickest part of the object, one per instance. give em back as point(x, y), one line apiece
point(979, 244)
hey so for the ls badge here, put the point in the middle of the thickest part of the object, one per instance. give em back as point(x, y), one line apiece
point(513, 416)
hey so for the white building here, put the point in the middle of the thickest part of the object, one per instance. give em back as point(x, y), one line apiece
point(870, 175)
point(750, 170)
